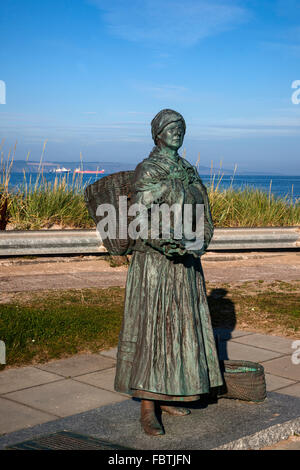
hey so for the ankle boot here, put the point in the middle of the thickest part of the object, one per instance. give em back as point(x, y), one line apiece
point(149, 421)
point(174, 410)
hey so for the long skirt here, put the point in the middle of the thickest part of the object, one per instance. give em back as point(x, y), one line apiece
point(166, 346)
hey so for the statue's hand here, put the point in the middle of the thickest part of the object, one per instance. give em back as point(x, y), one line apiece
point(173, 250)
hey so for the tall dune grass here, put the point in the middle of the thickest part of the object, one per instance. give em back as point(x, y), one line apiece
point(250, 207)
point(41, 204)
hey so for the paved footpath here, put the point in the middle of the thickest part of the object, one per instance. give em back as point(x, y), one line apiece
point(47, 392)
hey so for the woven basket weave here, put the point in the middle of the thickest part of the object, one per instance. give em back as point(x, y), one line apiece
point(107, 191)
point(244, 380)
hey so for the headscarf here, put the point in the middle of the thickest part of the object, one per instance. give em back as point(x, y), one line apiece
point(162, 119)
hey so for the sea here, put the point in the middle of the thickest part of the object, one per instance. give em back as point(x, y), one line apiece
point(280, 186)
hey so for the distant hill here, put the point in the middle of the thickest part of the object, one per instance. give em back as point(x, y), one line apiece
point(34, 167)
point(111, 167)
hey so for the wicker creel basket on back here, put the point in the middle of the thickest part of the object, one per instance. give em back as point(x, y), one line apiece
point(107, 190)
point(243, 380)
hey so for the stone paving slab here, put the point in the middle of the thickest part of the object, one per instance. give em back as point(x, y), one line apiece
point(17, 379)
point(273, 343)
point(293, 390)
point(235, 351)
point(103, 379)
point(64, 398)
point(239, 333)
point(224, 424)
point(78, 365)
point(274, 383)
point(283, 367)
point(15, 416)
point(112, 352)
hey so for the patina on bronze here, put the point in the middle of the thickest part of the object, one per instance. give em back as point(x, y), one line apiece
point(166, 350)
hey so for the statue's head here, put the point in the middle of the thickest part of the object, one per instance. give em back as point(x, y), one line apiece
point(168, 129)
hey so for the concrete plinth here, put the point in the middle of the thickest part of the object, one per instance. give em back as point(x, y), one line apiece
point(227, 424)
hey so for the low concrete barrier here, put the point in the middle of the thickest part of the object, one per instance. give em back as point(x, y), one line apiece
point(59, 242)
point(255, 238)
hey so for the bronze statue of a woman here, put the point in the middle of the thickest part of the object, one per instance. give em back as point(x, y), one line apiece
point(167, 351)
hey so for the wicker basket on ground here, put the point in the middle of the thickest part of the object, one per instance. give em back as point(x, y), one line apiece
point(107, 190)
point(244, 380)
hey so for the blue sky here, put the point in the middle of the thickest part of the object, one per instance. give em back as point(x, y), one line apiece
point(89, 75)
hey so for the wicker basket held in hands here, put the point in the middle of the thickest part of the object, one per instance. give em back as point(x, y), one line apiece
point(107, 191)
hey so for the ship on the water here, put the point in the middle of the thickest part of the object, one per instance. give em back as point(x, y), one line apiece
point(88, 172)
point(60, 170)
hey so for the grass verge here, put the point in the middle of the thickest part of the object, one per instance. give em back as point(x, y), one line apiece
point(40, 326)
point(270, 307)
point(44, 326)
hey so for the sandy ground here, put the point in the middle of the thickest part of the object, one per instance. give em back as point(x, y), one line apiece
point(21, 275)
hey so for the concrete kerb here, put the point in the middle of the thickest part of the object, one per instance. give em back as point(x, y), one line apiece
point(209, 256)
point(265, 438)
